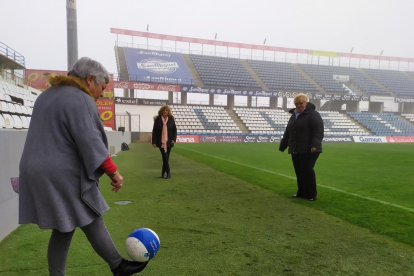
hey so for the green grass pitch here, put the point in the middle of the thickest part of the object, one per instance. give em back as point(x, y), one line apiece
point(227, 210)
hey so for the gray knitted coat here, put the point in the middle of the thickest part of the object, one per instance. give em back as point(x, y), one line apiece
point(59, 168)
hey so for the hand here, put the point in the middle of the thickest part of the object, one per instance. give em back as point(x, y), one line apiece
point(154, 145)
point(116, 183)
point(172, 142)
point(313, 150)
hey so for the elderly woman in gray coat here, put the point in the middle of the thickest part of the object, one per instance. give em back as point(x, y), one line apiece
point(65, 154)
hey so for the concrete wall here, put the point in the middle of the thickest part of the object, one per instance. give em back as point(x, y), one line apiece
point(142, 123)
point(11, 149)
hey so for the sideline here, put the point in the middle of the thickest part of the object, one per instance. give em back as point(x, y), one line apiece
point(320, 185)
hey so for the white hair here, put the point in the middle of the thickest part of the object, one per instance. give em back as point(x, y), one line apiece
point(301, 96)
point(85, 67)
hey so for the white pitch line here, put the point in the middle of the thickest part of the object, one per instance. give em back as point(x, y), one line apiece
point(320, 185)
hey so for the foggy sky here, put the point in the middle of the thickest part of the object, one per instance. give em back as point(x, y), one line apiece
point(37, 29)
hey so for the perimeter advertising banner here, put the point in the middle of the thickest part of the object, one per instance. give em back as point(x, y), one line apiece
point(157, 66)
point(272, 94)
point(135, 101)
point(39, 79)
point(106, 109)
point(147, 86)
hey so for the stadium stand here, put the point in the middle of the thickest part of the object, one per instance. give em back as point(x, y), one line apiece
point(223, 71)
point(323, 75)
point(281, 75)
point(383, 124)
point(203, 119)
point(16, 104)
point(399, 83)
point(409, 117)
point(275, 121)
point(263, 120)
point(338, 124)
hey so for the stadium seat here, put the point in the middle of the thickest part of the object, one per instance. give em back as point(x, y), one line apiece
point(9, 121)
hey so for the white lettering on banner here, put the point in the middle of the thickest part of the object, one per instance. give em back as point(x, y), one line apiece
point(337, 139)
point(400, 100)
point(121, 85)
point(370, 139)
point(262, 139)
point(382, 99)
point(198, 90)
point(185, 140)
point(341, 77)
point(249, 139)
point(154, 54)
point(158, 66)
point(164, 87)
point(142, 86)
point(274, 139)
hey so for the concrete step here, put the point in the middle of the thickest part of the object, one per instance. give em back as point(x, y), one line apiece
point(354, 87)
point(375, 81)
point(239, 123)
point(193, 71)
point(321, 90)
point(409, 75)
point(121, 64)
point(254, 74)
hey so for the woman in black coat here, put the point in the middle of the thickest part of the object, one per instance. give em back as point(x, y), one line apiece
point(164, 135)
point(303, 136)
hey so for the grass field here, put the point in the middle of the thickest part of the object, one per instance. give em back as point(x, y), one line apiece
point(227, 210)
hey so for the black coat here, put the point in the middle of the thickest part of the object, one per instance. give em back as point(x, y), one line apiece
point(157, 131)
point(303, 133)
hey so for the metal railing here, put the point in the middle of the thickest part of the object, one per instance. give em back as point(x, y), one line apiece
point(12, 54)
point(343, 62)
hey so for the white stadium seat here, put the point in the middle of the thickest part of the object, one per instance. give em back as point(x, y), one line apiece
point(17, 122)
point(9, 121)
point(2, 122)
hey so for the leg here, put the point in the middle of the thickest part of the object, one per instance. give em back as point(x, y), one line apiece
point(163, 161)
point(299, 177)
point(168, 159)
point(309, 174)
point(57, 252)
point(102, 243)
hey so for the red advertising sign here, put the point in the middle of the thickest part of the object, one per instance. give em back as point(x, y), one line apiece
point(147, 86)
point(400, 139)
point(106, 110)
point(39, 78)
point(187, 139)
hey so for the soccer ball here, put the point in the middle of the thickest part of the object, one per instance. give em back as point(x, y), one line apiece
point(142, 244)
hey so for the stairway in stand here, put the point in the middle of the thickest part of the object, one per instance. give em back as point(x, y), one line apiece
point(239, 123)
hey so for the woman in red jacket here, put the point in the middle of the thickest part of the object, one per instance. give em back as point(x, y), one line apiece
point(164, 135)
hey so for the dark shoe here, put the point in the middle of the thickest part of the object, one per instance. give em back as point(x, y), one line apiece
point(128, 267)
point(295, 195)
point(163, 175)
point(168, 175)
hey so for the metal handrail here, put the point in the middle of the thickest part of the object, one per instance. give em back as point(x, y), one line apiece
point(12, 54)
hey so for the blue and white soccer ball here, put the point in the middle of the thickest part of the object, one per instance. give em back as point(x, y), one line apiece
point(142, 245)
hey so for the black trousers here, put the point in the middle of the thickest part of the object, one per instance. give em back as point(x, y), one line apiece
point(97, 235)
point(305, 175)
point(165, 158)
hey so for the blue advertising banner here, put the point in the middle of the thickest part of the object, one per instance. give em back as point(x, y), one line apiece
point(157, 66)
point(280, 94)
point(225, 91)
